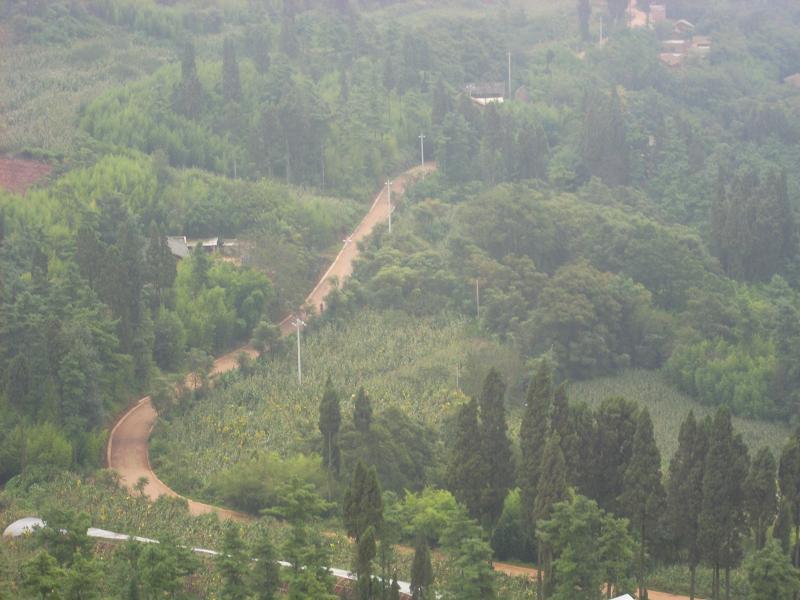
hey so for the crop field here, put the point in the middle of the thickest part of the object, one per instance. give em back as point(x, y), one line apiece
point(668, 407)
point(400, 361)
point(41, 97)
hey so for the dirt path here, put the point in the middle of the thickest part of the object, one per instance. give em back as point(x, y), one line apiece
point(127, 450)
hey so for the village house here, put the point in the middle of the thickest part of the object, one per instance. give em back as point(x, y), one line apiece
point(486, 93)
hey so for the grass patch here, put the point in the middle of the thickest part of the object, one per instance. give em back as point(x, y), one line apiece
point(668, 407)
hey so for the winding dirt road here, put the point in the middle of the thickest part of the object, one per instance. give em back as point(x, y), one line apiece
point(127, 450)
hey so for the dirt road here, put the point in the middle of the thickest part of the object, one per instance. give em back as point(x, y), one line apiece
point(127, 450)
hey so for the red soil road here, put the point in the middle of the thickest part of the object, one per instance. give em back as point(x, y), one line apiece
point(128, 441)
point(17, 175)
point(127, 450)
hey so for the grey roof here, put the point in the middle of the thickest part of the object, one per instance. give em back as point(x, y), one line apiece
point(177, 245)
point(486, 90)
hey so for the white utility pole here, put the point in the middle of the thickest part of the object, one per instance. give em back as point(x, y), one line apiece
point(389, 200)
point(509, 75)
point(478, 297)
point(421, 150)
point(298, 323)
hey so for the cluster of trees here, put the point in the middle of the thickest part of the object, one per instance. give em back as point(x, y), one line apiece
point(590, 484)
point(94, 306)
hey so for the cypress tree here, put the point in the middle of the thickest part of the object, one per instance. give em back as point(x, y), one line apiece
point(613, 446)
point(761, 495)
point(722, 517)
point(363, 504)
point(644, 496)
point(685, 492)
point(232, 564)
point(465, 471)
point(330, 419)
point(421, 569)
point(789, 481)
point(552, 488)
point(533, 433)
point(362, 411)
point(264, 579)
point(365, 553)
point(189, 96)
point(231, 83)
point(495, 447)
point(782, 530)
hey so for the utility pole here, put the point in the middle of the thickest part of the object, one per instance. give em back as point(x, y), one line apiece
point(389, 200)
point(478, 297)
point(421, 150)
point(298, 323)
point(509, 75)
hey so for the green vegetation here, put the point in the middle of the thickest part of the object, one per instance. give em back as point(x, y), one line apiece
point(614, 223)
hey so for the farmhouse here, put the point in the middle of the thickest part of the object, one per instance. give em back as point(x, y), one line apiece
point(486, 93)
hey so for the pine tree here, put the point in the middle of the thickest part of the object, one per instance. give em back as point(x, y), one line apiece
point(613, 446)
point(264, 578)
point(365, 553)
point(231, 82)
point(330, 419)
point(495, 447)
point(551, 489)
point(533, 435)
point(782, 530)
point(232, 564)
point(466, 469)
point(189, 96)
point(685, 492)
point(722, 517)
point(643, 499)
point(362, 412)
point(421, 569)
point(363, 504)
point(761, 495)
point(789, 480)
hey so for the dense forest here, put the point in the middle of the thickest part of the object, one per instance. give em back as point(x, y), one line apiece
point(616, 216)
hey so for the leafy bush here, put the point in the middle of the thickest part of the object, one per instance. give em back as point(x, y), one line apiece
point(256, 484)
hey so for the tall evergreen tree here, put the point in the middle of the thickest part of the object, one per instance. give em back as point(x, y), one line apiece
point(232, 564)
point(551, 489)
point(789, 480)
point(362, 411)
point(421, 569)
point(365, 554)
point(466, 469)
point(613, 446)
point(782, 530)
point(231, 82)
point(722, 518)
point(643, 497)
point(761, 495)
point(264, 579)
point(363, 504)
point(533, 435)
point(685, 492)
point(495, 447)
point(189, 96)
point(330, 419)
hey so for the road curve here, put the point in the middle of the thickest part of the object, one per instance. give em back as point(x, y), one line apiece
point(127, 450)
